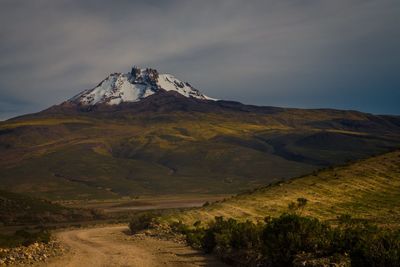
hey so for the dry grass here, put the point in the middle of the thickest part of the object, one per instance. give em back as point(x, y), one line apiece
point(368, 189)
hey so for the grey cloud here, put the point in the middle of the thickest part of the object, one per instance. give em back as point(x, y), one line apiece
point(342, 54)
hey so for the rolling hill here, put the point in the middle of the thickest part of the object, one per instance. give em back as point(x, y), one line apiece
point(144, 133)
point(367, 189)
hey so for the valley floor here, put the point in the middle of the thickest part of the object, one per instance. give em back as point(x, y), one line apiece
point(112, 246)
point(157, 202)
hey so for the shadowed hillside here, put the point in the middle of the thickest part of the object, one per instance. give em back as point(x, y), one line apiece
point(18, 209)
point(167, 144)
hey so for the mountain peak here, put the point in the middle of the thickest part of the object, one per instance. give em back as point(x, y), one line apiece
point(134, 86)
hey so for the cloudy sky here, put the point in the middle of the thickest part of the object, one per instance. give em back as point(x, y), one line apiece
point(303, 53)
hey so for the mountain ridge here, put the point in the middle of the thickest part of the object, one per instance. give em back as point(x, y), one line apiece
point(171, 143)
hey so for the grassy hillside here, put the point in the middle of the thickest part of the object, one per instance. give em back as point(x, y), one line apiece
point(368, 189)
point(99, 155)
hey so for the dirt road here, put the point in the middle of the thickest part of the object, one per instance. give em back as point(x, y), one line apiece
point(111, 246)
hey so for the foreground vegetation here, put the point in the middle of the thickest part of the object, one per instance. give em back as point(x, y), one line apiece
point(288, 240)
point(304, 221)
point(293, 240)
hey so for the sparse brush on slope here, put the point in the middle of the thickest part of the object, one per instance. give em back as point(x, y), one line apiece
point(367, 189)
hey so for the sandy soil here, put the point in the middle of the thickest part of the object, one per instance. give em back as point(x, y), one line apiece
point(111, 246)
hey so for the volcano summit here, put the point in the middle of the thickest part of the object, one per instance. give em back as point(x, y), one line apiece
point(134, 86)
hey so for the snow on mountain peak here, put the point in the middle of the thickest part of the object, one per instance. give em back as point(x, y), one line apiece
point(134, 86)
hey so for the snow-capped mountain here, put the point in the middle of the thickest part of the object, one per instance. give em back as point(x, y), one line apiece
point(134, 86)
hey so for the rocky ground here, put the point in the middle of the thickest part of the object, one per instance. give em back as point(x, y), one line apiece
point(32, 254)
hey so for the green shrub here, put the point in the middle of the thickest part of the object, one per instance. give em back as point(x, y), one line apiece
point(292, 239)
point(141, 221)
point(378, 249)
point(24, 238)
point(27, 238)
point(195, 238)
point(367, 244)
point(180, 227)
point(294, 207)
point(208, 242)
point(290, 234)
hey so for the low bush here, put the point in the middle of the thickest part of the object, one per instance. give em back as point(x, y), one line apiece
point(224, 237)
point(285, 237)
point(368, 245)
point(291, 238)
point(24, 238)
point(142, 221)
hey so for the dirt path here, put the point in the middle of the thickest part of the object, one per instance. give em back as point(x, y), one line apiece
point(110, 246)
